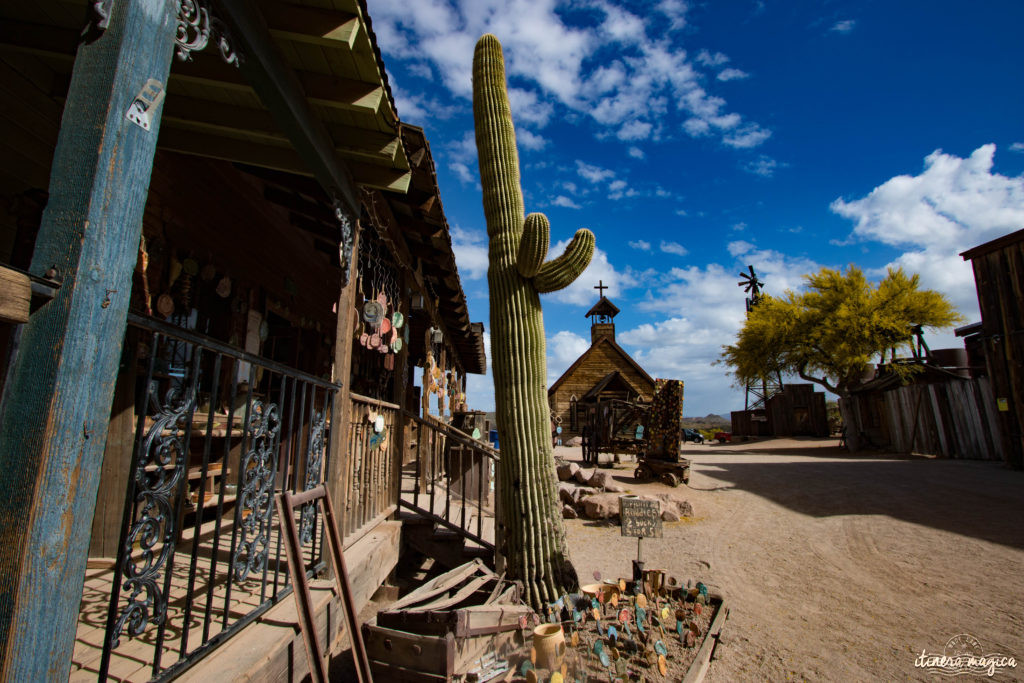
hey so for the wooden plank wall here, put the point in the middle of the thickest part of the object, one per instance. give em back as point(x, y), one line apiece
point(999, 276)
point(957, 419)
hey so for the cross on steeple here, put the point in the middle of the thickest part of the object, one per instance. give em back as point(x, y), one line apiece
point(601, 286)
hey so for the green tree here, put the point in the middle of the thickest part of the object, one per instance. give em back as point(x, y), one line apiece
point(832, 332)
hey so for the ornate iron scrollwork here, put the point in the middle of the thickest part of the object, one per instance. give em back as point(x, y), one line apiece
point(314, 465)
point(257, 489)
point(347, 238)
point(196, 25)
point(158, 473)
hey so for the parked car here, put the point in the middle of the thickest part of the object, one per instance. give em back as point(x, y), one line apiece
point(692, 435)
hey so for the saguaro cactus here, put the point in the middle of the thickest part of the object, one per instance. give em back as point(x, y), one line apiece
point(531, 535)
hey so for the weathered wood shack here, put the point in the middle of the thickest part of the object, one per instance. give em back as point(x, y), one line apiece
point(797, 410)
point(221, 274)
point(937, 411)
point(999, 278)
point(603, 372)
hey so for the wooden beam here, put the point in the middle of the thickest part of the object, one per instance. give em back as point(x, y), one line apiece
point(56, 405)
point(295, 203)
point(37, 39)
point(15, 296)
point(313, 25)
point(281, 93)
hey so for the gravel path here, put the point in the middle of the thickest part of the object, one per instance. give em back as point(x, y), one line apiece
point(837, 567)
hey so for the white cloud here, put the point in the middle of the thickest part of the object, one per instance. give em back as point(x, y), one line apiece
point(675, 12)
point(686, 343)
point(763, 166)
point(528, 140)
point(1017, 147)
point(562, 200)
point(594, 174)
point(462, 172)
point(681, 212)
point(581, 292)
point(732, 74)
point(739, 227)
point(844, 26)
point(563, 347)
point(952, 205)
point(634, 130)
point(636, 152)
point(708, 59)
point(750, 135)
point(673, 248)
point(552, 62)
point(470, 248)
point(642, 245)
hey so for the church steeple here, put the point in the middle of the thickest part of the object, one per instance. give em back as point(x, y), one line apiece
point(601, 316)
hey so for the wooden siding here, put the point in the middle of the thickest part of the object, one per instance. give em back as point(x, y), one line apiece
point(955, 419)
point(597, 362)
point(999, 278)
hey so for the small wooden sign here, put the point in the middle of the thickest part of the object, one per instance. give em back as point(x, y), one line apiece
point(640, 517)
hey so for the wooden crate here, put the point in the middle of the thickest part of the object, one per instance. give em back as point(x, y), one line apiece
point(446, 628)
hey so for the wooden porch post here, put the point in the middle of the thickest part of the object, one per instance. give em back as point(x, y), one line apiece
point(53, 420)
point(337, 481)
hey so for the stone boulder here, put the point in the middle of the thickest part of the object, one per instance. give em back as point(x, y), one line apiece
point(601, 506)
point(568, 512)
point(601, 479)
point(669, 516)
point(575, 441)
point(581, 492)
point(583, 476)
point(567, 471)
point(566, 493)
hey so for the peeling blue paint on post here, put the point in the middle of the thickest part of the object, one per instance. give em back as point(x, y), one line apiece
point(53, 421)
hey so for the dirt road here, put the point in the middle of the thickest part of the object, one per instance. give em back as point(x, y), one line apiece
point(837, 567)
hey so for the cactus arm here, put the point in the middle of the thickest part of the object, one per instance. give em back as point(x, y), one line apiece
point(533, 246)
point(562, 271)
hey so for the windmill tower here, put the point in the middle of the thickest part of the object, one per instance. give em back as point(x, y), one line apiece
point(757, 393)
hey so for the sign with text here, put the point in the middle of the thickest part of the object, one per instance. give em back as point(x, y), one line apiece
point(639, 517)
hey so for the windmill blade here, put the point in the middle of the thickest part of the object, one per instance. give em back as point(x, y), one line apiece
point(751, 268)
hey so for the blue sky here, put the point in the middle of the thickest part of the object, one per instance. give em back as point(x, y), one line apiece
point(696, 138)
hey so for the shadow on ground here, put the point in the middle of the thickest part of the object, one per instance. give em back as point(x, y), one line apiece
point(981, 500)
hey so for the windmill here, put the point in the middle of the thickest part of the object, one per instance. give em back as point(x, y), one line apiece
point(760, 394)
point(752, 286)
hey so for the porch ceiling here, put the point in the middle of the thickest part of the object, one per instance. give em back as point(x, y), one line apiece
point(425, 230)
point(212, 111)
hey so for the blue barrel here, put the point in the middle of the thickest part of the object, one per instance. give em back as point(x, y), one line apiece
point(492, 436)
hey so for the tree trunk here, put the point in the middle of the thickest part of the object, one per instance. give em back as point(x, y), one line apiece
point(851, 422)
point(530, 531)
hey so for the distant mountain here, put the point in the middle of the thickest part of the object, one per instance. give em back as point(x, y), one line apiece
point(707, 420)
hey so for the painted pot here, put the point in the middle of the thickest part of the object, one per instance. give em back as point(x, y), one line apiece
point(549, 644)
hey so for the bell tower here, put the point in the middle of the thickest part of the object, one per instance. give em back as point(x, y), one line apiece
point(601, 316)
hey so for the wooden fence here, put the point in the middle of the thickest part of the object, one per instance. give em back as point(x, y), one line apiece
point(371, 474)
point(954, 419)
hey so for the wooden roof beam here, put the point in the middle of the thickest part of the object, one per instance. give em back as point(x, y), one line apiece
point(281, 92)
point(313, 25)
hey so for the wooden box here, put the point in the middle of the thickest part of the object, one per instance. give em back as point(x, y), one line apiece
point(448, 628)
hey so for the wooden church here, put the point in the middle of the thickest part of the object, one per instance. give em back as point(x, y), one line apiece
point(604, 371)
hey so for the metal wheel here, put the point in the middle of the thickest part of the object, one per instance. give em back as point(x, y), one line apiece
point(643, 473)
point(670, 479)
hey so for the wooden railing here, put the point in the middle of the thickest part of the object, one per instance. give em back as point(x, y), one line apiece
point(370, 472)
point(452, 476)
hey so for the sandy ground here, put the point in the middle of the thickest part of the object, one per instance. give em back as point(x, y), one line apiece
point(836, 567)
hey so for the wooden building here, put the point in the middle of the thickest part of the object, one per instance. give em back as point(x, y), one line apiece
point(999, 278)
point(222, 275)
point(604, 371)
point(797, 410)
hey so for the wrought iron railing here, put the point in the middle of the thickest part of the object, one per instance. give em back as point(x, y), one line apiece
point(370, 475)
point(218, 432)
point(453, 475)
